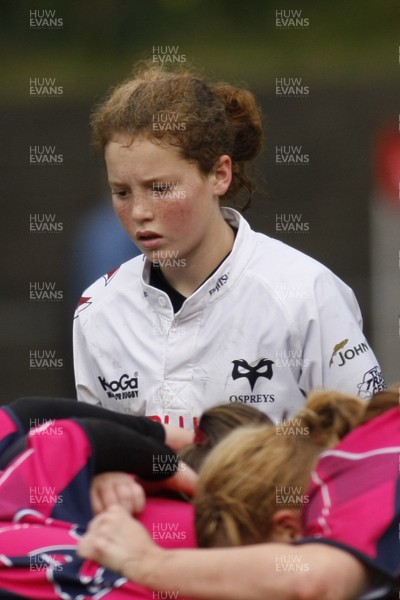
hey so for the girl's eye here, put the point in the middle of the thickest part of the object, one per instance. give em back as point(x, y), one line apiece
point(120, 193)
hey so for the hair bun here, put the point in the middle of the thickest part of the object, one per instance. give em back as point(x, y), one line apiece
point(331, 415)
point(245, 117)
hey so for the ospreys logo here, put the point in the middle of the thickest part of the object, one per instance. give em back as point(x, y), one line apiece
point(263, 368)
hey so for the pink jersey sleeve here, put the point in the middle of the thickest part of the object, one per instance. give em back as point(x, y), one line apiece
point(354, 496)
point(54, 467)
point(10, 429)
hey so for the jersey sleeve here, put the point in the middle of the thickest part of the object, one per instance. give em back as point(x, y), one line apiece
point(83, 364)
point(336, 354)
point(34, 481)
point(11, 430)
point(353, 501)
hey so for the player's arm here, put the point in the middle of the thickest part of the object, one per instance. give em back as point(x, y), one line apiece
point(312, 572)
point(83, 367)
point(120, 488)
point(335, 353)
point(108, 489)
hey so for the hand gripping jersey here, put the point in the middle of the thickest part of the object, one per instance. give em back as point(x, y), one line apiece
point(269, 325)
point(354, 497)
point(44, 509)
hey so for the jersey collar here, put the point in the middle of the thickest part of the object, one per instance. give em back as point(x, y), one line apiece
point(220, 282)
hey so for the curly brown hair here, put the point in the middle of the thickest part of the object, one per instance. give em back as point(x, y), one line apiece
point(180, 108)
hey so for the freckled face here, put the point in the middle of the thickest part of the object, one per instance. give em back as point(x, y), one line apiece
point(162, 200)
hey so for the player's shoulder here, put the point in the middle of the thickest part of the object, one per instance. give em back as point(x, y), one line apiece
point(114, 280)
point(268, 257)
point(110, 285)
point(380, 432)
point(276, 260)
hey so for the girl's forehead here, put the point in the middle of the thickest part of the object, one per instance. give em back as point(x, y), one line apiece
point(144, 146)
point(129, 139)
point(144, 157)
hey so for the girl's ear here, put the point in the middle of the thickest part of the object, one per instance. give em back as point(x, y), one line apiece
point(222, 174)
point(286, 526)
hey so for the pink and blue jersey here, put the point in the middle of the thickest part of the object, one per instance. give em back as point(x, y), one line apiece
point(45, 507)
point(354, 495)
point(354, 503)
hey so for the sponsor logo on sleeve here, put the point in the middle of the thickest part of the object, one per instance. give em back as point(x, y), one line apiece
point(340, 358)
point(336, 349)
point(372, 383)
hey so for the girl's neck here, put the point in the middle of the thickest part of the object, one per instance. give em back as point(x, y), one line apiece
point(202, 261)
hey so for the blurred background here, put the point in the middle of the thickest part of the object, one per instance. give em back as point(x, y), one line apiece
point(327, 78)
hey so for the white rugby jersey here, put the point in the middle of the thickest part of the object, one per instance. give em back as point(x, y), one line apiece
point(269, 325)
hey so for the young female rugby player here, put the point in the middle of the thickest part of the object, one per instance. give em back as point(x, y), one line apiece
point(212, 312)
